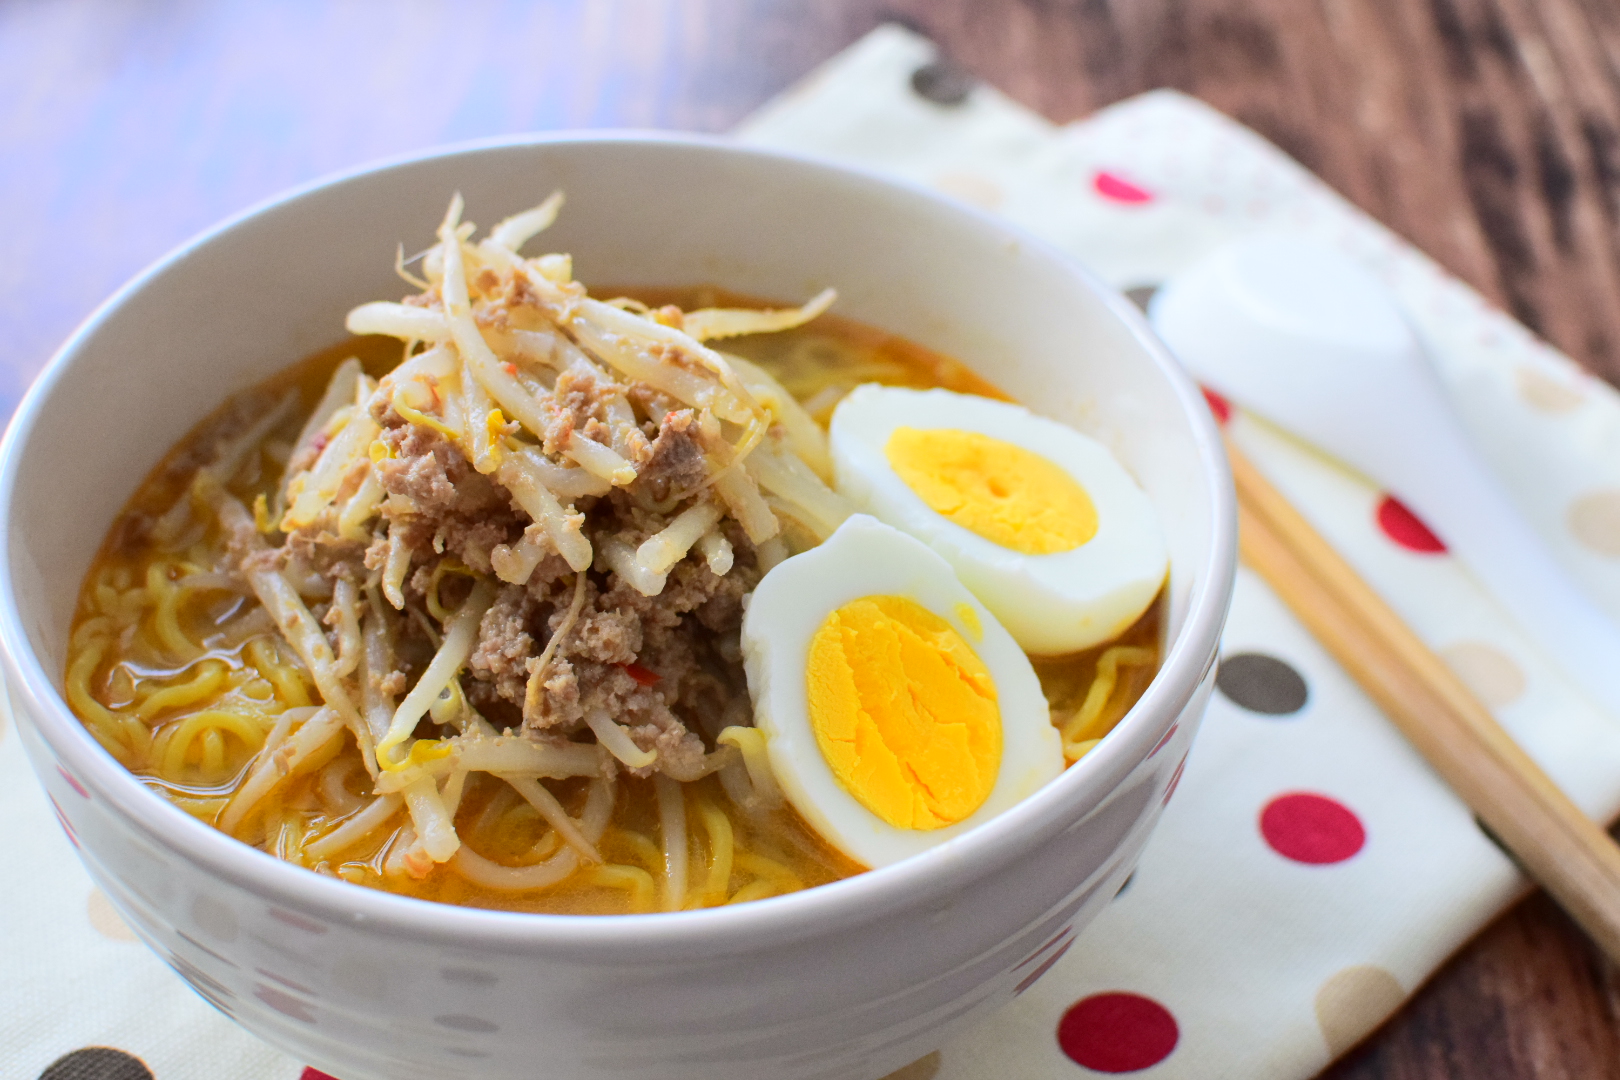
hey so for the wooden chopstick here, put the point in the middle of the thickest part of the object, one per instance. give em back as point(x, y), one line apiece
point(1567, 853)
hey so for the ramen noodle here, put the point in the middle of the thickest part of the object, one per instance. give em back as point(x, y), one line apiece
point(453, 610)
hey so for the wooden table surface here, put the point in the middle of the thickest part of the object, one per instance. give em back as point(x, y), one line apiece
point(1485, 131)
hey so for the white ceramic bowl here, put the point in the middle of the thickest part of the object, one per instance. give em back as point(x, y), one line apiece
point(852, 979)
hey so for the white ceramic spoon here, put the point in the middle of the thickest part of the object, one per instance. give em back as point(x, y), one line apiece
point(1309, 339)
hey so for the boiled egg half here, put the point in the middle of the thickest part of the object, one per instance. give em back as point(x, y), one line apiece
point(897, 712)
point(1038, 520)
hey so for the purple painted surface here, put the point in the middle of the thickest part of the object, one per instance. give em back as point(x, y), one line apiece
point(128, 126)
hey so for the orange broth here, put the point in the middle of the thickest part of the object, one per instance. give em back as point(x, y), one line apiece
point(818, 363)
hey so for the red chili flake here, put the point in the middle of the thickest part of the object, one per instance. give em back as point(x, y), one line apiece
point(510, 368)
point(641, 674)
point(319, 442)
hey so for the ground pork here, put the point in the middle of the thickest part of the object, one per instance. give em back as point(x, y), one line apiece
point(654, 664)
point(504, 643)
point(451, 508)
point(666, 667)
point(578, 399)
point(609, 637)
point(433, 474)
point(675, 462)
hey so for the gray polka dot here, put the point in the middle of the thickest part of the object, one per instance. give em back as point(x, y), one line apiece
point(1262, 684)
point(459, 1022)
point(97, 1063)
point(942, 82)
point(1141, 294)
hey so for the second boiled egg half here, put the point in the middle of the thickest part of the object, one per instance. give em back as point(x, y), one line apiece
point(897, 711)
point(1038, 520)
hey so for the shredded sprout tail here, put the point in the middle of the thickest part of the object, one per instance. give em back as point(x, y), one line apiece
point(709, 324)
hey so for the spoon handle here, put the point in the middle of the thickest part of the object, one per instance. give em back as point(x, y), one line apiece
point(1534, 821)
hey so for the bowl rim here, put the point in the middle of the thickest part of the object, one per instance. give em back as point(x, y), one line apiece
point(864, 898)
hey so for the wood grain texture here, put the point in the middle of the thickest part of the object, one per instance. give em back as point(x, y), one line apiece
point(1485, 131)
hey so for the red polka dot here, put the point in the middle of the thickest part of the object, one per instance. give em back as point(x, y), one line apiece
point(1217, 405)
point(1112, 187)
point(1117, 1033)
point(1406, 528)
point(1311, 829)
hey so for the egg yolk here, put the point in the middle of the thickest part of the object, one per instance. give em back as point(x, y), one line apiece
point(1004, 493)
point(904, 711)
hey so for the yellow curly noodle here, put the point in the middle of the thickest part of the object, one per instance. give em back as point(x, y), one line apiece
point(176, 669)
point(1089, 692)
point(152, 671)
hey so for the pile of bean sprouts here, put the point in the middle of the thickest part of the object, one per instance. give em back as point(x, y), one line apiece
point(480, 376)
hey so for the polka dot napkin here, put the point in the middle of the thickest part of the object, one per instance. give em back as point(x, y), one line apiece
point(1310, 871)
point(82, 999)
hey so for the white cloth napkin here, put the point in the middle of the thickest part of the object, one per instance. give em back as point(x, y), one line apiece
point(1310, 871)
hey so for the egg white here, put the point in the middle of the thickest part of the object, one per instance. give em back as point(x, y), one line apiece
point(864, 558)
point(1057, 603)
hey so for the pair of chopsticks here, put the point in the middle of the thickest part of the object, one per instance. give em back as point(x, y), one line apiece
point(1519, 805)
